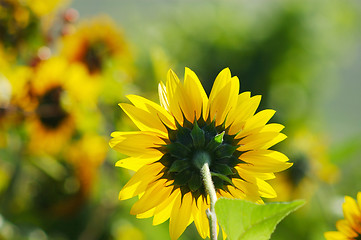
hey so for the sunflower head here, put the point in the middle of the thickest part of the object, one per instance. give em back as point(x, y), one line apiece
point(190, 146)
point(94, 43)
point(59, 91)
point(350, 227)
point(188, 130)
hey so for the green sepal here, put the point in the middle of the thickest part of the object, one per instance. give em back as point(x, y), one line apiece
point(166, 160)
point(195, 182)
point(222, 169)
point(178, 150)
point(183, 135)
point(179, 165)
point(218, 183)
point(225, 150)
point(197, 135)
point(215, 142)
point(182, 178)
point(221, 176)
point(210, 131)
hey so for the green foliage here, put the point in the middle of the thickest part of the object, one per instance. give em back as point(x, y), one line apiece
point(244, 220)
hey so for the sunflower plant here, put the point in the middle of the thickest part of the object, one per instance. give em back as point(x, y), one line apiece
point(193, 149)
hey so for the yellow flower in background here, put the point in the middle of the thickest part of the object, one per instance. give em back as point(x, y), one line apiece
point(311, 166)
point(100, 46)
point(41, 8)
point(350, 227)
point(89, 149)
point(94, 43)
point(84, 157)
point(186, 126)
point(60, 91)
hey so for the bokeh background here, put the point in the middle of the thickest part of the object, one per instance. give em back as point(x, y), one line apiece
point(64, 66)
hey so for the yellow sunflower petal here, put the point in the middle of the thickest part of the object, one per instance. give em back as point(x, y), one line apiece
point(136, 143)
point(264, 161)
point(198, 97)
point(135, 163)
point(344, 227)
point(172, 86)
point(146, 214)
point(351, 212)
point(153, 108)
point(236, 193)
point(265, 189)
point(221, 80)
point(250, 190)
point(259, 119)
point(226, 99)
point(200, 217)
point(155, 194)
point(257, 141)
point(233, 113)
point(279, 138)
point(333, 235)
point(187, 108)
point(162, 91)
point(180, 215)
point(163, 211)
point(243, 112)
point(272, 127)
point(196, 211)
point(144, 120)
point(140, 180)
point(359, 200)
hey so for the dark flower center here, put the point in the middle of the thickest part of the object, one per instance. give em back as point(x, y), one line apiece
point(192, 144)
point(358, 237)
point(49, 110)
point(94, 57)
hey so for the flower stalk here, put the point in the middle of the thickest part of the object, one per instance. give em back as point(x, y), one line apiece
point(211, 213)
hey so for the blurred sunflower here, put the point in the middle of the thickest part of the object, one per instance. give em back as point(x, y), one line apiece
point(59, 91)
point(311, 165)
point(42, 8)
point(17, 25)
point(95, 43)
point(350, 227)
point(187, 126)
point(89, 149)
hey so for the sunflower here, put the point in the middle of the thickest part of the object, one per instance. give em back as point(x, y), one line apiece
point(311, 166)
point(94, 43)
point(350, 227)
point(186, 126)
point(59, 91)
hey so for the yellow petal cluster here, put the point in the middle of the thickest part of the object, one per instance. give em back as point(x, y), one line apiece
point(350, 227)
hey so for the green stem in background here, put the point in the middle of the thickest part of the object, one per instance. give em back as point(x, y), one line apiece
point(208, 184)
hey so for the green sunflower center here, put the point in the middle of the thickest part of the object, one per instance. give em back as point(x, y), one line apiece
point(49, 110)
point(192, 145)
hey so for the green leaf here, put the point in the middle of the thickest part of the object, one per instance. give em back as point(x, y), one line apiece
point(244, 220)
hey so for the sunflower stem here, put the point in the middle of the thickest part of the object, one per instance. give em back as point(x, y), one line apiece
point(211, 213)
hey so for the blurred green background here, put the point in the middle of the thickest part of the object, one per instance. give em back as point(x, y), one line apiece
point(65, 67)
